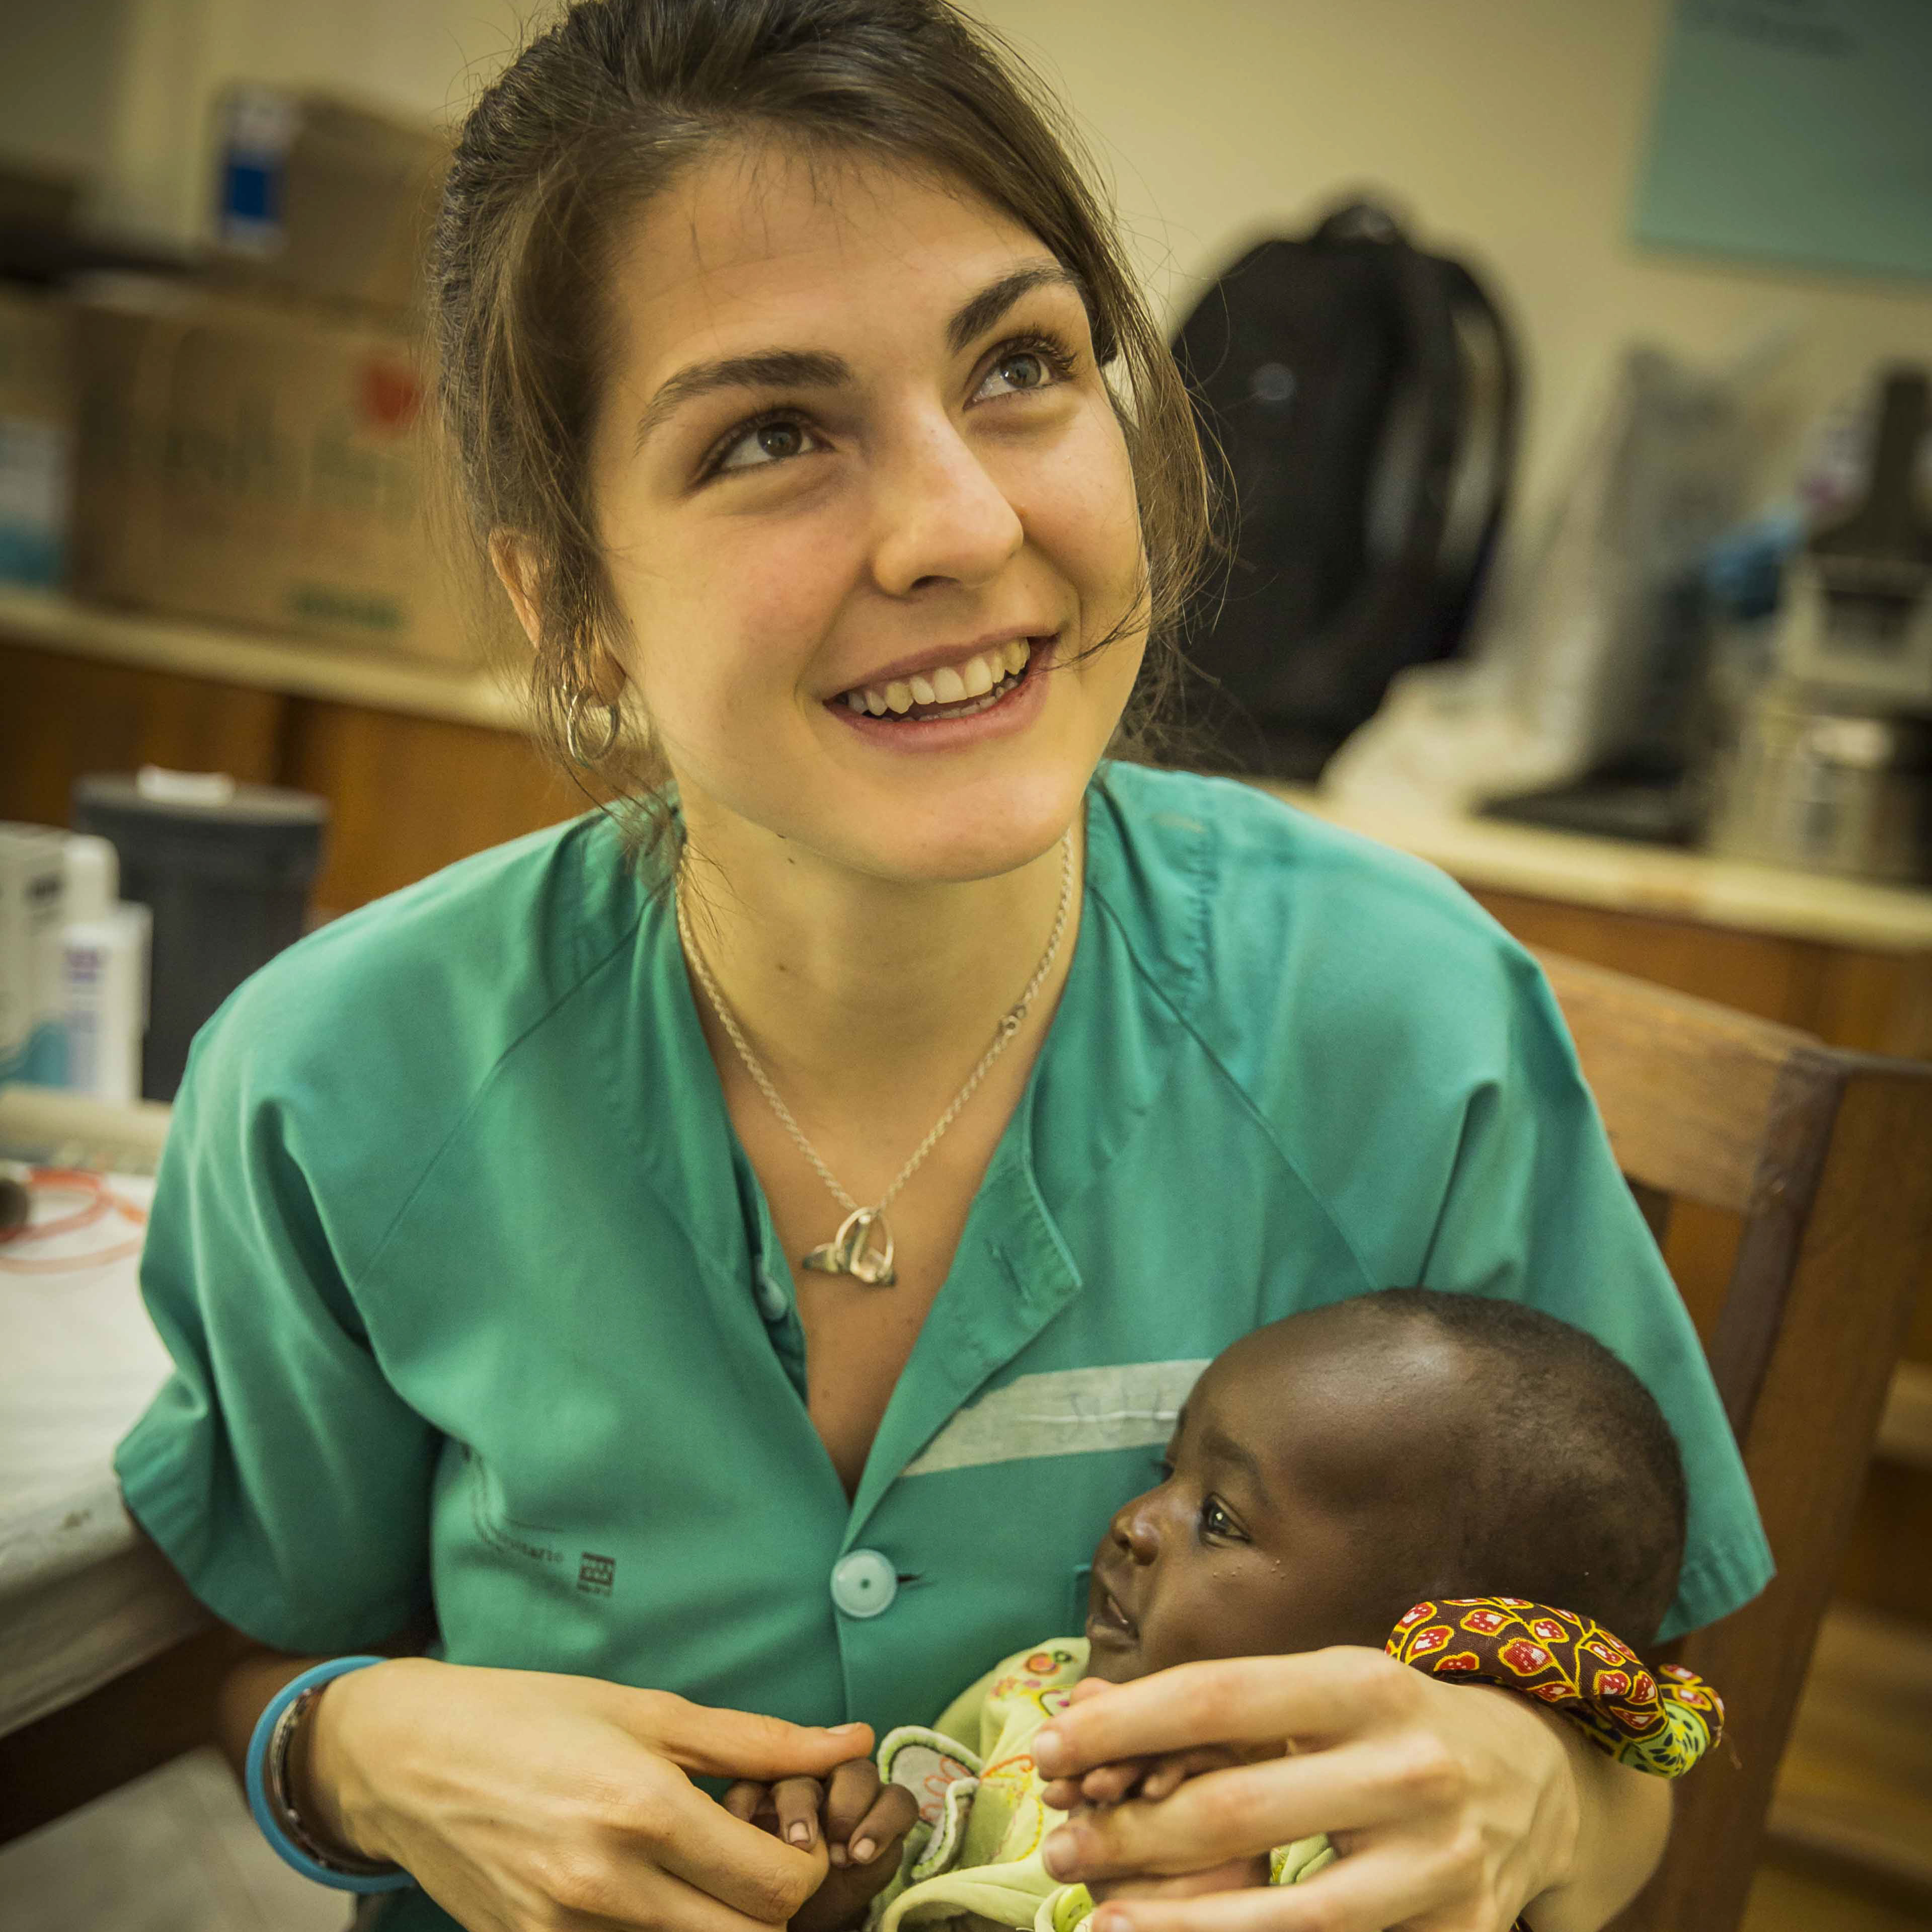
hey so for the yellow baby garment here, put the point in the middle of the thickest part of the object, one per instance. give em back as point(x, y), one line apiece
point(975, 1851)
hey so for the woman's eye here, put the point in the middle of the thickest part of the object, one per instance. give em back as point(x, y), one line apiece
point(764, 444)
point(1017, 370)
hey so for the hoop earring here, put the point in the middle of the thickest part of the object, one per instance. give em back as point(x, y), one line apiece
point(573, 735)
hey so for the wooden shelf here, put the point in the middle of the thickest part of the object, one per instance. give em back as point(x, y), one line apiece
point(461, 694)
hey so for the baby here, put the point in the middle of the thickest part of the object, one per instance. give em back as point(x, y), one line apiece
point(1329, 1472)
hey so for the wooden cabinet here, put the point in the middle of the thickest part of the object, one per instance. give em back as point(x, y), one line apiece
point(409, 790)
point(61, 717)
point(407, 795)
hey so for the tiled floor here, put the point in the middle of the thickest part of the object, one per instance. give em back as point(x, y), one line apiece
point(174, 1851)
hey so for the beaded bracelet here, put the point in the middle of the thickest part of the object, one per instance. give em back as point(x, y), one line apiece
point(266, 1780)
point(1662, 1722)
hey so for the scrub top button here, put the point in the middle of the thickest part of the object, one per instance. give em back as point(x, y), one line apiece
point(863, 1583)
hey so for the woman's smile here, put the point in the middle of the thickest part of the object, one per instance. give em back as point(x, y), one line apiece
point(987, 694)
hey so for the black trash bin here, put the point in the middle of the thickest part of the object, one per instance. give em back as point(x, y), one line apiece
point(225, 868)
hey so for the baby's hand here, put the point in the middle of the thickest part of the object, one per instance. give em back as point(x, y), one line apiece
point(1149, 1780)
point(860, 1822)
point(1152, 1778)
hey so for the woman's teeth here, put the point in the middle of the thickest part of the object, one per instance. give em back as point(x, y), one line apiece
point(975, 685)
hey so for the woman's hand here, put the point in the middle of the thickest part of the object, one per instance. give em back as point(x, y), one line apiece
point(1151, 1779)
point(521, 1801)
point(1454, 1806)
point(856, 1824)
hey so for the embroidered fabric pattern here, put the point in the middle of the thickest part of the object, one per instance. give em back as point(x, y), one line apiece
point(1662, 1722)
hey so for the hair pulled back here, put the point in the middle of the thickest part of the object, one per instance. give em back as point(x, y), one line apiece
point(609, 106)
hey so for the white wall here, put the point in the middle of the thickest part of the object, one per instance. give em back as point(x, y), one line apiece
point(1511, 129)
point(125, 88)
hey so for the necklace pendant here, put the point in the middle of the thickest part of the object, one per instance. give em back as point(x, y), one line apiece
point(851, 1251)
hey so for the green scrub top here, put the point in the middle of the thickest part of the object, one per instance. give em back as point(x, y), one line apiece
point(476, 1302)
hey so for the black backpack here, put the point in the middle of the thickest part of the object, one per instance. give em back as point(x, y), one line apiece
point(1364, 395)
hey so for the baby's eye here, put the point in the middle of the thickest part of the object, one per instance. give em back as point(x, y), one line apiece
point(1215, 1520)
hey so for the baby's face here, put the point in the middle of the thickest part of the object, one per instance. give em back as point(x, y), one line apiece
point(1303, 1505)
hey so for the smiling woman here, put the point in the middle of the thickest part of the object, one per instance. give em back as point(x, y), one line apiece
point(862, 472)
point(722, 1280)
point(571, 196)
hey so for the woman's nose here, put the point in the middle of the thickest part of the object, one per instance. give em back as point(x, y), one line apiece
point(942, 517)
point(1134, 1529)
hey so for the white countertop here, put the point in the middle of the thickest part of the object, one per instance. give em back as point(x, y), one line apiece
point(1621, 876)
point(82, 1597)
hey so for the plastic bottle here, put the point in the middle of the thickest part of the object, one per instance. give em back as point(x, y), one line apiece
point(31, 1043)
point(104, 973)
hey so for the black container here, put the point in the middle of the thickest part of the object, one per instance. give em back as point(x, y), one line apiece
point(226, 871)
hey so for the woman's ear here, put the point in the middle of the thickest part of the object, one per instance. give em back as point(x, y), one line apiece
point(515, 561)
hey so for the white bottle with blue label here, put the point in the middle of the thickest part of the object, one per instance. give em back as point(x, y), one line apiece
point(104, 969)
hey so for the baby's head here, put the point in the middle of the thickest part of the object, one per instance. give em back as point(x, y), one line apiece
point(1332, 1469)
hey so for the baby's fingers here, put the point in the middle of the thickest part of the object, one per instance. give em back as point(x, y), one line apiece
point(743, 1798)
point(1169, 1773)
point(1105, 1784)
point(849, 1795)
point(796, 1801)
point(886, 1821)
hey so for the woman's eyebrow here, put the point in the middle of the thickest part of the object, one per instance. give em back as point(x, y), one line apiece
point(979, 312)
point(768, 369)
point(817, 369)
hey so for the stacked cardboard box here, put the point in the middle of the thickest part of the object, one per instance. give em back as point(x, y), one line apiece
point(254, 450)
point(324, 199)
point(36, 439)
point(257, 466)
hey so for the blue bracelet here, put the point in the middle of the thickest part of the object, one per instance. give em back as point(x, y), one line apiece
point(276, 1823)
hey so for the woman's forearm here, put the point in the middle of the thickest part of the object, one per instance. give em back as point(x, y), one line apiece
point(1623, 1824)
point(243, 1694)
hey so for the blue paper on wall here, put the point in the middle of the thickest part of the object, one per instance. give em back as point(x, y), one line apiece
point(1800, 130)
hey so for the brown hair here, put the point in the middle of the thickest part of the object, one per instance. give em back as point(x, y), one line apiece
point(604, 109)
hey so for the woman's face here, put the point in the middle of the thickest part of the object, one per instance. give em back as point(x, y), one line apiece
point(855, 465)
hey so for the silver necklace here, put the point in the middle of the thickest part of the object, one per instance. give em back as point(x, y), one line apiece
point(863, 1246)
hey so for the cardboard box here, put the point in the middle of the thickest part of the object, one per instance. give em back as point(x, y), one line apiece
point(257, 466)
point(36, 438)
point(325, 198)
